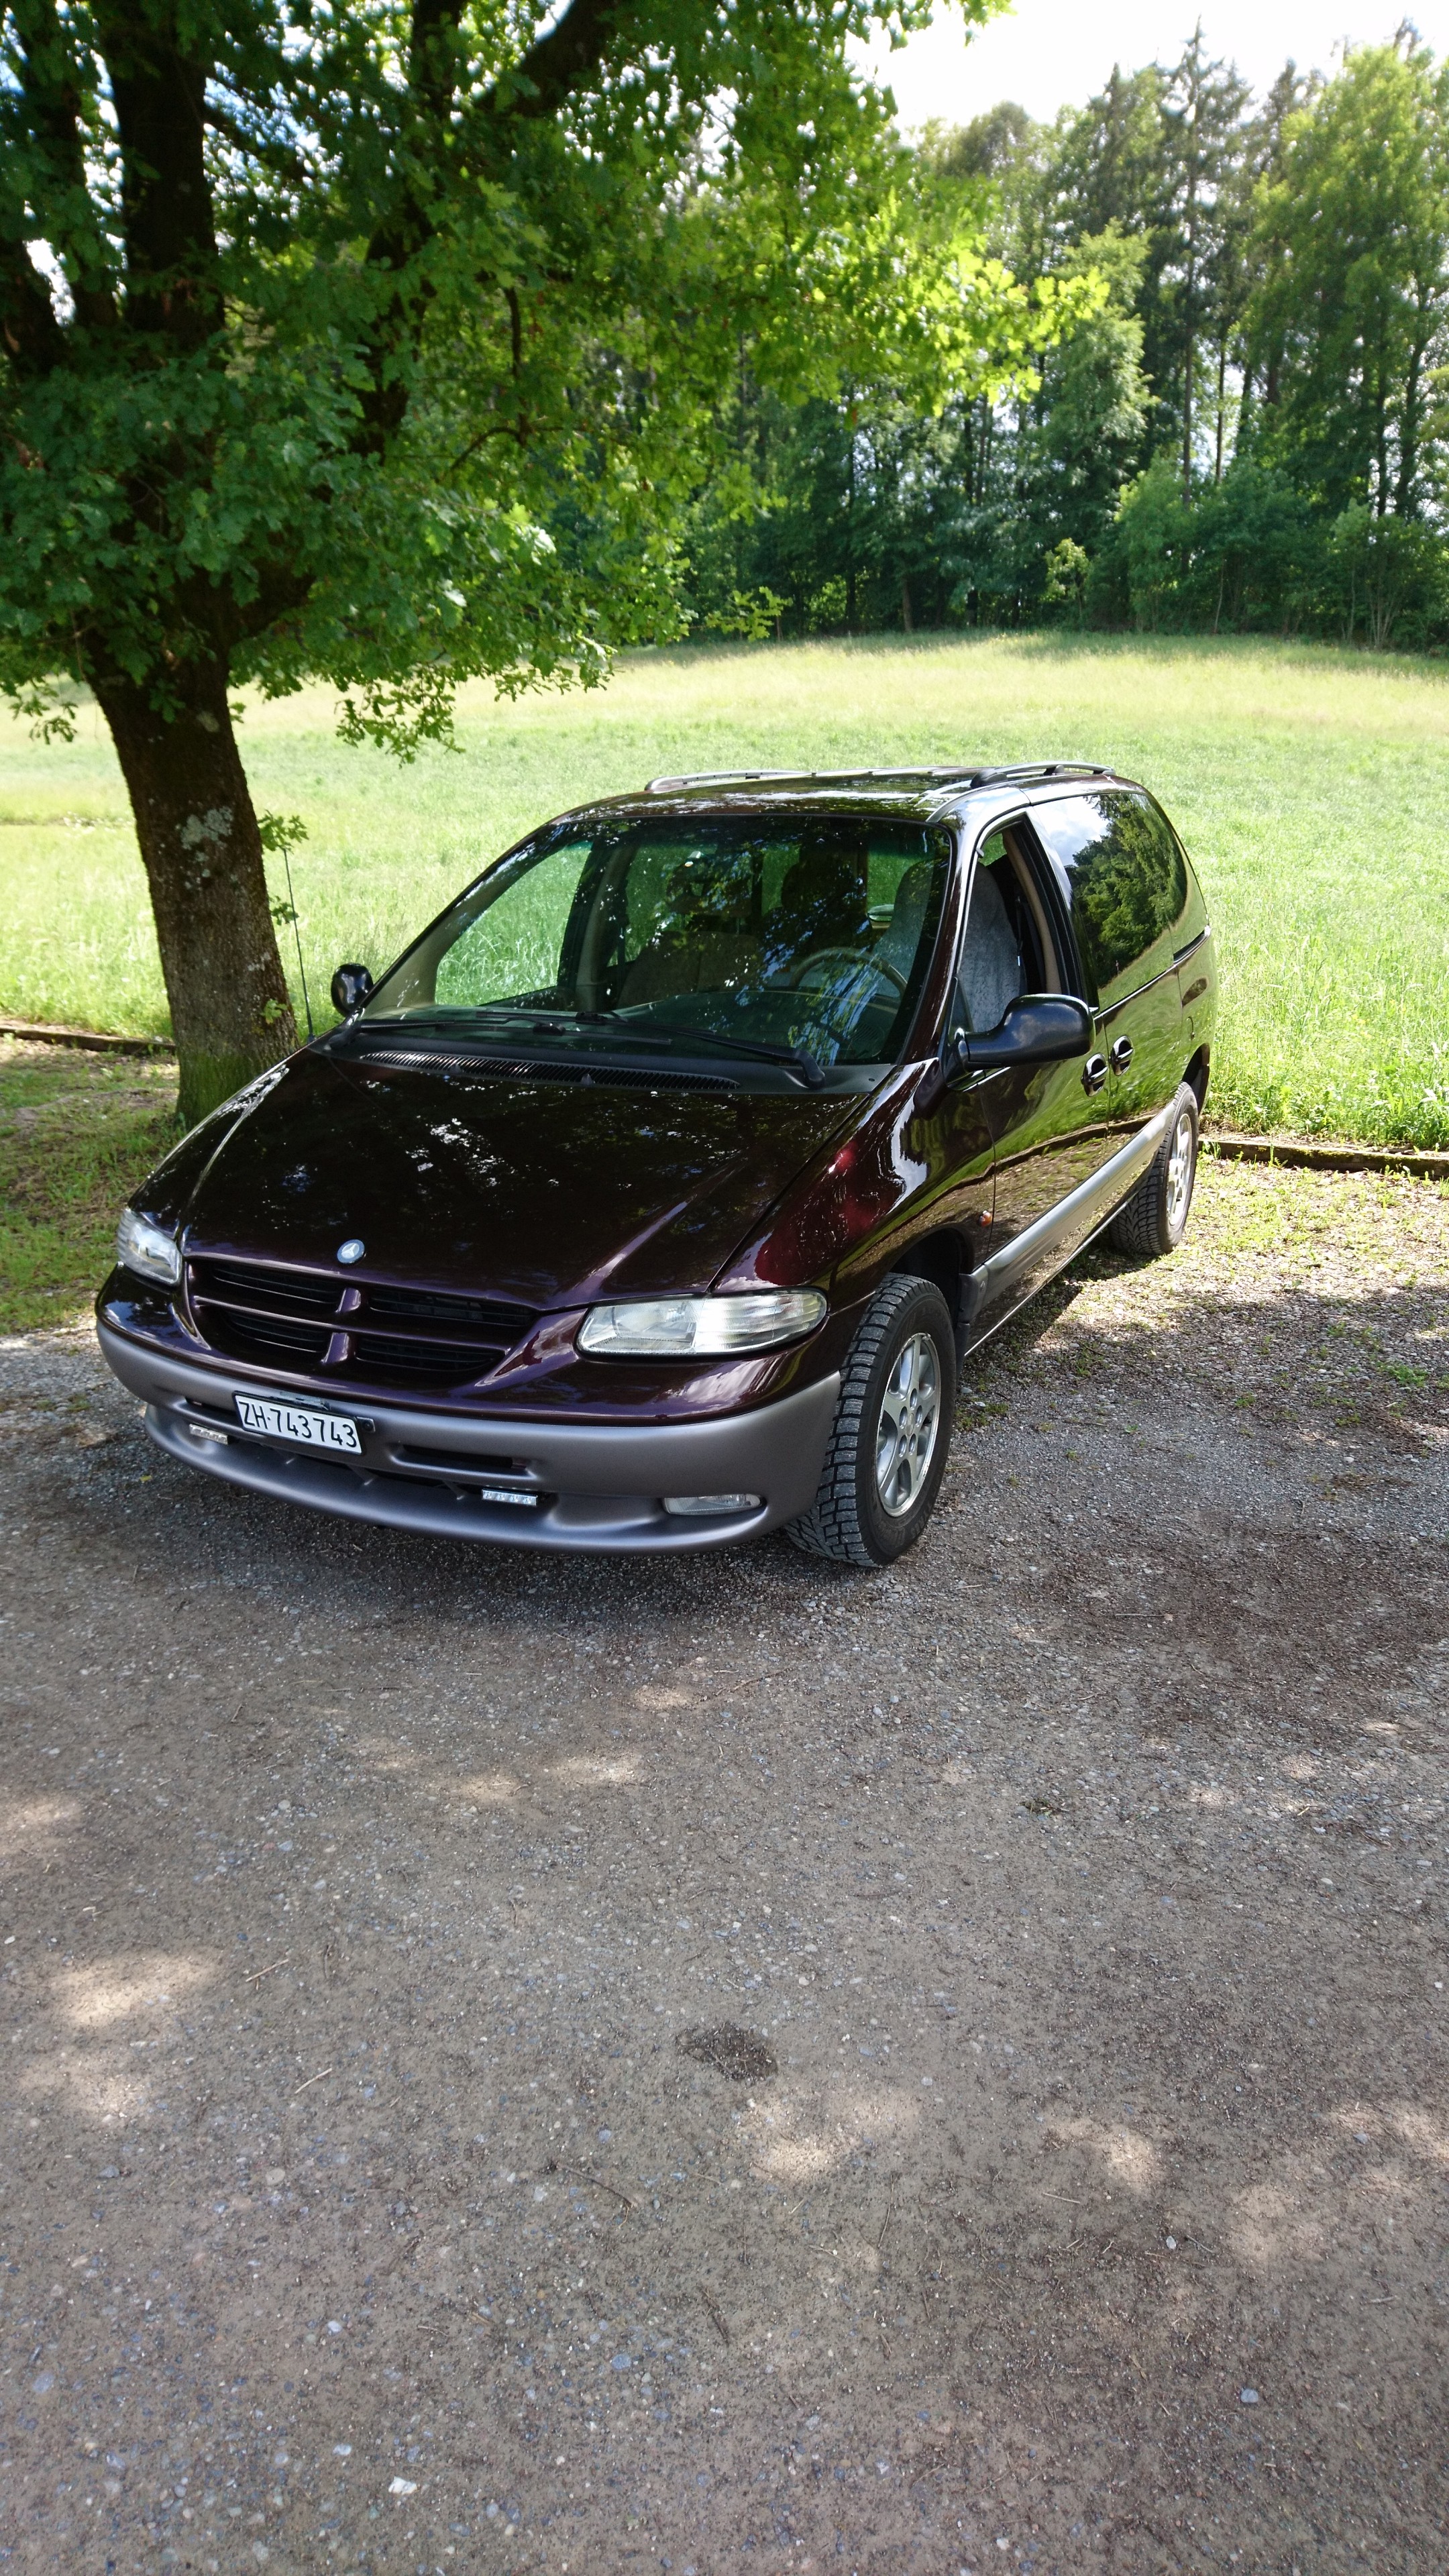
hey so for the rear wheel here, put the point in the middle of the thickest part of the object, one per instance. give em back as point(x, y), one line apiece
point(1154, 1219)
point(891, 1432)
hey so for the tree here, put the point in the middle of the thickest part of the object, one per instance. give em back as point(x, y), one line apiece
point(1088, 417)
point(1203, 105)
point(381, 343)
point(1349, 319)
point(836, 505)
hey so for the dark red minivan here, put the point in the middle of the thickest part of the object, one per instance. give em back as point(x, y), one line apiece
point(654, 1198)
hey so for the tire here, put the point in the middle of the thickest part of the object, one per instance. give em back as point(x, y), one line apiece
point(1154, 1219)
point(856, 1518)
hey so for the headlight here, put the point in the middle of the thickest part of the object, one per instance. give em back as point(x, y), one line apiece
point(666, 1328)
point(146, 1249)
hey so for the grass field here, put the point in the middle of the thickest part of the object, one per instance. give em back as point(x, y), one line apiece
point(1309, 784)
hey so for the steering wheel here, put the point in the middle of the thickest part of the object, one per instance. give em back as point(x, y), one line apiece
point(846, 957)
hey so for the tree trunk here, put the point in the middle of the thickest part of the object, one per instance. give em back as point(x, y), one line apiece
point(231, 1014)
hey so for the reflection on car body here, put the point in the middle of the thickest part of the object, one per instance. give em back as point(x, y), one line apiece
point(658, 1193)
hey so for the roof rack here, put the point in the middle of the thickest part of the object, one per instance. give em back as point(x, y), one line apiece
point(1039, 769)
point(715, 778)
point(948, 772)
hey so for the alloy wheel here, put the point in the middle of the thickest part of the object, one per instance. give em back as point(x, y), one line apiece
point(1179, 1172)
point(910, 1420)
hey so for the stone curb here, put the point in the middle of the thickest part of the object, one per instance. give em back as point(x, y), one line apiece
point(95, 1041)
point(1296, 1154)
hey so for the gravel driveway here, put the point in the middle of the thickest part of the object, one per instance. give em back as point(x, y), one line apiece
point(735, 2064)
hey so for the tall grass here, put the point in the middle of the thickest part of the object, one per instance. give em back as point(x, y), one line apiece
point(1309, 784)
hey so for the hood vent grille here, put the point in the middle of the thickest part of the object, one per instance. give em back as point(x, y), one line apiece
point(600, 1075)
point(349, 1331)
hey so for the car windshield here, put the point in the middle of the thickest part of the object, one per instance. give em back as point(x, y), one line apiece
point(776, 938)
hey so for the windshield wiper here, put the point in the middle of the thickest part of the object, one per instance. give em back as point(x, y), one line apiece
point(504, 1019)
point(799, 1057)
point(457, 1019)
point(654, 1034)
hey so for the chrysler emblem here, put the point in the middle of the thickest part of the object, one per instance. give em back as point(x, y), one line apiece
point(352, 1250)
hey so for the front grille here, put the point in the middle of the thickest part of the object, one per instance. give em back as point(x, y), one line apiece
point(350, 1330)
point(417, 1306)
point(265, 1337)
point(377, 1354)
point(284, 1292)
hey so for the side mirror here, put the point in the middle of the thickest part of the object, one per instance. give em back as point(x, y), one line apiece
point(350, 988)
point(1037, 1028)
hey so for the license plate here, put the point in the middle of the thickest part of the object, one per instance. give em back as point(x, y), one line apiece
point(290, 1422)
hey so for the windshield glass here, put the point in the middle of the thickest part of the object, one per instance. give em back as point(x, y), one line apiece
point(763, 935)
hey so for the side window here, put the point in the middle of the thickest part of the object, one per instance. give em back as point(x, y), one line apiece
point(1124, 876)
point(1007, 946)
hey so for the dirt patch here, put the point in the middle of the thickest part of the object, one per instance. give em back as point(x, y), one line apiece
point(1084, 1877)
point(730, 2051)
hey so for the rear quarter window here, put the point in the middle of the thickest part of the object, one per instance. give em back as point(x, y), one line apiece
point(1122, 870)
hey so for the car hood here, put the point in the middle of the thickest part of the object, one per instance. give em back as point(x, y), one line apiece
point(546, 1192)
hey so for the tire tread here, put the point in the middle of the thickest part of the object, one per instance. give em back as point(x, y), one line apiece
point(832, 1528)
point(1139, 1228)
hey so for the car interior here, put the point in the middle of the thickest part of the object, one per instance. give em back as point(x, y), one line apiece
point(1008, 946)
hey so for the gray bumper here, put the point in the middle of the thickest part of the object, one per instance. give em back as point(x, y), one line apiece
point(579, 1485)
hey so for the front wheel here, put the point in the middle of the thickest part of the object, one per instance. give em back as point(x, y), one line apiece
point(891, 1432)
point(1154, 1219)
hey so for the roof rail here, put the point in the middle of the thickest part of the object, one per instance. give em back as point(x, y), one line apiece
point(963, 773)
point(1039, 769)
point(715, 778)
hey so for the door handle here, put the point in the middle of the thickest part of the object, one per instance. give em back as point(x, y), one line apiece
point(1121, 1055)
point(1094, 1073)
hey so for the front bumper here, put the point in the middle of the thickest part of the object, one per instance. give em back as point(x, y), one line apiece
point(579, 1485)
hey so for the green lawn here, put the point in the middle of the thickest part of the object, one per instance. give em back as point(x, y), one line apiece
point(1309, 784)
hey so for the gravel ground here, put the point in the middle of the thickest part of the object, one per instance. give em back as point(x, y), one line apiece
point(734, 2064)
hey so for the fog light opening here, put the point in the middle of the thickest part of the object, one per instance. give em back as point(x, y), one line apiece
point(704, 1507)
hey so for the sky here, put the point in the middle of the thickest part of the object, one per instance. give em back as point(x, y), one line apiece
point(1048, 54)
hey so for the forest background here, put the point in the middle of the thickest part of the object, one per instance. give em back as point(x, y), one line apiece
point(1245, 431)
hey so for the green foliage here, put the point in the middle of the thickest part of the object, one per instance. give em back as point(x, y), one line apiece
point(1386, 579)
point(1348, 319)
point(1251, 554)
point(457, 298)
point(1252, 351)
point(1065, 571)
point(751, 614)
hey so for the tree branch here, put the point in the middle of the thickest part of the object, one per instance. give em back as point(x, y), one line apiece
point(549, 73)
point(159, 95)
point(257, 147)
point(432, 54)
point(29, 332)
point(51, 83)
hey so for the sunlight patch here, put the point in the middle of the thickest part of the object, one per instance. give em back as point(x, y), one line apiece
point(490, 1789)
point(1130, 2158)
point(584, 1771)
point(22, 1824)
point(94, 1998)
